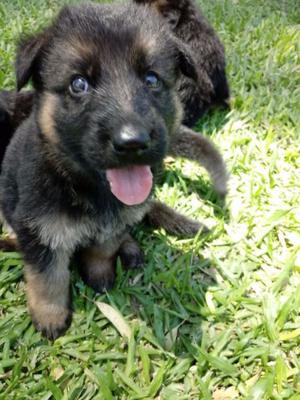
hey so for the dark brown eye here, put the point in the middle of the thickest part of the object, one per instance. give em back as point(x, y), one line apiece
point(79, 85)
point(152, 81)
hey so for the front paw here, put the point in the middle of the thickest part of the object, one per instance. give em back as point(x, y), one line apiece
point(131, 255)
point(51, 320)
point(99, 279)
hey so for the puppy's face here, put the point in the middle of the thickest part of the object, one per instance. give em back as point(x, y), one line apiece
point(106, 80)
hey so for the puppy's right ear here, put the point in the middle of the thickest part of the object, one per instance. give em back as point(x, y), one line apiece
point(29, 57)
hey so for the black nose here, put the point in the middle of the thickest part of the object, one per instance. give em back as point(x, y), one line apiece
point(130, 138)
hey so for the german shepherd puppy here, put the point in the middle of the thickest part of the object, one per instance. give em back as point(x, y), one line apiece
point(189, 25)
point(197, 96)
point(79, 172)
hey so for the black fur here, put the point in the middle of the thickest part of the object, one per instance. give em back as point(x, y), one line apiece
point(186, 21)
point(14, 108)
point(54, 190)
point(191, 27)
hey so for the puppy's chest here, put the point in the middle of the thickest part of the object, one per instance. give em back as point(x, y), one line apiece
point(64, 232)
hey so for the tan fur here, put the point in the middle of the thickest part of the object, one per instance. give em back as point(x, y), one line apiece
point(9, 241)
point(48, 296)
point(59, 231)
point(79, 49)
point(97, 264)
point(49, 104)
point(8, 244)
point(144, 46)
point(159, 4)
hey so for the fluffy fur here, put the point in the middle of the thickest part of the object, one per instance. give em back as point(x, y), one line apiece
point(191, 27)
point(54, 189)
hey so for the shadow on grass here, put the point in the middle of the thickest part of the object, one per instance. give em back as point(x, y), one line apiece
point(212, 121)
point(168, 296)
point(201, 186)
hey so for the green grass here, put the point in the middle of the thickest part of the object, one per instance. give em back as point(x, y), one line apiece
point(211, 318)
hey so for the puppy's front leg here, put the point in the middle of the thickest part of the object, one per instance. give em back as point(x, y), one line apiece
point(97, 264)
point(131, 255)
point(48, 293)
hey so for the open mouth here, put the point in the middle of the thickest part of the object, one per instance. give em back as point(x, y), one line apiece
point(130, 185)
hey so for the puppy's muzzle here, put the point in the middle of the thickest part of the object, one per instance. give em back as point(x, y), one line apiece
point(131, 139)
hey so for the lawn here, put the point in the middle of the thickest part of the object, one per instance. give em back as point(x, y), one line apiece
point(213, 317)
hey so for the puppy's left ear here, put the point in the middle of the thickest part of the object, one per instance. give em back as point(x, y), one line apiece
point(29, 58)
point(186, 63)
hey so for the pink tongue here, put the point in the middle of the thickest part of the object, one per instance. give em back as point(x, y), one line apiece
point(131, 185)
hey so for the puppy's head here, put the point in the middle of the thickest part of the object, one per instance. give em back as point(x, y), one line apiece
point(105, 79)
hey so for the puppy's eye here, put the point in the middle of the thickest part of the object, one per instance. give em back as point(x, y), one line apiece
point(152, 81)
point(79, 85)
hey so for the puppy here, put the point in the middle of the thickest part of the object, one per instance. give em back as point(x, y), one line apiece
point(79, 172)
point(189, 25)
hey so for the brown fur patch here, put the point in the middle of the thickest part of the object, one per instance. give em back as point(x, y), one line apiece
point(46, 117)
point(8, 244)
point(160, 5)
point(144, 46)
point(48, 299)
point(97, 265)
point(80, 49)
point(85, 52)
point(155, 3)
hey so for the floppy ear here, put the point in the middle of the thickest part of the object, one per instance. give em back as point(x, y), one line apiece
point(186, 62)
point(28, 58)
